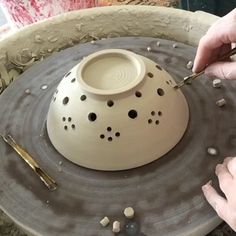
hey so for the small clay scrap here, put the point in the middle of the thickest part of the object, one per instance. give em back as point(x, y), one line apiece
point(44, 86)
point(27, 91)
point(175, 45)
point(105, 221)
point(221, 102)
point(189, 65)
point(217, 83)
point(38, 38)
point(158, 44)
point(116, 227)
point(212, 151)
point(149, 49)
point(129, 212)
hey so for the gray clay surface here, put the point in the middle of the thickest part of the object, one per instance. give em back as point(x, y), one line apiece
point(165, 194)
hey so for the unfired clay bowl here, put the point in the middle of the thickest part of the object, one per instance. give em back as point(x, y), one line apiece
point(111, 100)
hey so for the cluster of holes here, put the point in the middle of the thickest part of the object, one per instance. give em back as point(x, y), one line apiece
point(131, 113)
point(153, 113)
point(109, 138)
point(68, 124)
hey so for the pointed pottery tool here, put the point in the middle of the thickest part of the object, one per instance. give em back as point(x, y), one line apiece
point(45, 178)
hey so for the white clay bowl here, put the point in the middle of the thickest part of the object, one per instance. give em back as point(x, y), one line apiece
point(116, 110)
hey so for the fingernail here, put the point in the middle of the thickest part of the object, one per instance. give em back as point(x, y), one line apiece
point(207, 184)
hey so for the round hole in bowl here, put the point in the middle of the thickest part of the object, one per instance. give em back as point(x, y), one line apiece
point(153, 113)
point(109, 139)
point(73, 80)
point(65, 100)
point(117, 134)
point(83, 97)
point(92, 116)
point(109, 129)
point(149, 121)
point(138, 94)
point(132, 114)
point(159, 113)
point(160, 92)
point(102, 136)
point(150, 74)
point(110, 103)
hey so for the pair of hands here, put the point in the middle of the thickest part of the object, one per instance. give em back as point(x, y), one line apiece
point(216, 42)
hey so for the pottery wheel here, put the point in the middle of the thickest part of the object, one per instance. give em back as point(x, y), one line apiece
point(165, 194)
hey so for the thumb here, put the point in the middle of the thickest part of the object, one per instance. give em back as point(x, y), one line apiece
point(223, 70)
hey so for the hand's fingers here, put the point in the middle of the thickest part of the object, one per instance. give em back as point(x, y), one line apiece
point(221, 33)
point(225, 178)
point(216, 201)
point(231, 165)
point(224, 70)
point(205, 53)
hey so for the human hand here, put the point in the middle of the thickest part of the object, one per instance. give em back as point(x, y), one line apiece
point(225, 207)
point(216, 42)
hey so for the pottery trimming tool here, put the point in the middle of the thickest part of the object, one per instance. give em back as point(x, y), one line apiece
point(45, 178)
point(193, 76)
